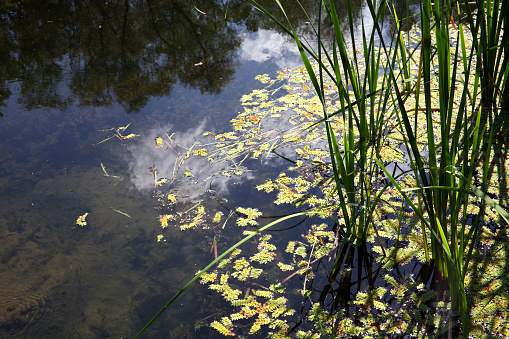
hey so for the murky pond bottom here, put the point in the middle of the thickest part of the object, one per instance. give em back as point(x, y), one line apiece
point(108, 278)
point(60, 280)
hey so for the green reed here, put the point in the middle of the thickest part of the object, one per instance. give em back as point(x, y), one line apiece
point(362, 114)
point(445, 180)
point(490, 43)
point(445, 176)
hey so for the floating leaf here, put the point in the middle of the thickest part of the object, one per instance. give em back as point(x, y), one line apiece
point(202, 152)
point(285, 267)
point(164, 220)
point(290, 247)
point(81, 220)
point(217, 217)
point(248, 216)
point(240, 264)
point(120, 212)
point(235, 253)
point(263, 256)
point(223, 263)
point(129, 136)
point(237, 316)
point(161, 182)
point(253, 118)
point(208, 277)
point(243, 274)
point(221, 328)
point(256, 272)
point(301, 251)
point(277, 288)
point(264, 78)
point(250, 301)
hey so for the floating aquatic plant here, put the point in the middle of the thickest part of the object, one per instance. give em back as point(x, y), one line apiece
point(163, 219)
point(247, 216)
point(118, 133)
point(81, 221)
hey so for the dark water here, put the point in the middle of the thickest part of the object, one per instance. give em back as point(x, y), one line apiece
point(71, 72)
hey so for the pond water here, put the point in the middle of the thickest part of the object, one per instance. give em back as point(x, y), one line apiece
point(73, 74)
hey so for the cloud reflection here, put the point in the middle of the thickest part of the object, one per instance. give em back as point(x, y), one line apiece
point(190, 176)
point(265, 45)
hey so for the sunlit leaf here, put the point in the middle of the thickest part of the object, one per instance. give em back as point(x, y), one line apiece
point(129, 136)
point(81, 220)
point(159, 142)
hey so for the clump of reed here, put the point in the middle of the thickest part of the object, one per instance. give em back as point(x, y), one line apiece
point(458, 118)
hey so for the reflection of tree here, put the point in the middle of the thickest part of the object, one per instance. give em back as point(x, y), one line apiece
point(30, 51)
point(205, 59)
point(129, 50)
point(124, 51)
point(300, 20)
point(407, 15)
point(147, 47)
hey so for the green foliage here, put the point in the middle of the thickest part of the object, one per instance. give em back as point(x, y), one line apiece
point(451, 239)
point(368, 299)
point(247, 216)
point(81, 221)
point(221, 328)
point(264, 306)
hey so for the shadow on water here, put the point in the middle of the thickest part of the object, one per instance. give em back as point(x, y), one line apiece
point(355, 289)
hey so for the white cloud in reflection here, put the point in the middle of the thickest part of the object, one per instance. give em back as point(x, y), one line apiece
point(264, 45)
point(172, 164)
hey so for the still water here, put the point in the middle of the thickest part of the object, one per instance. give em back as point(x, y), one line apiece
point(73, 74)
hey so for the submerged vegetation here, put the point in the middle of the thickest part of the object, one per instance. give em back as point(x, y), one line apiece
point(399, 159)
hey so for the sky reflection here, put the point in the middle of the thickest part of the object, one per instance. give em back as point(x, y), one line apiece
point(265, 45)
point(191, 176)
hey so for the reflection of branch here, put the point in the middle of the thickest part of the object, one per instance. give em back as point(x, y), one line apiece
point(154, 23)
point(282, 156)
point(123, 39)
point(171, 143)
point(192, 26)
point(210, 316)
point(221, 203)
point(186, 18)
